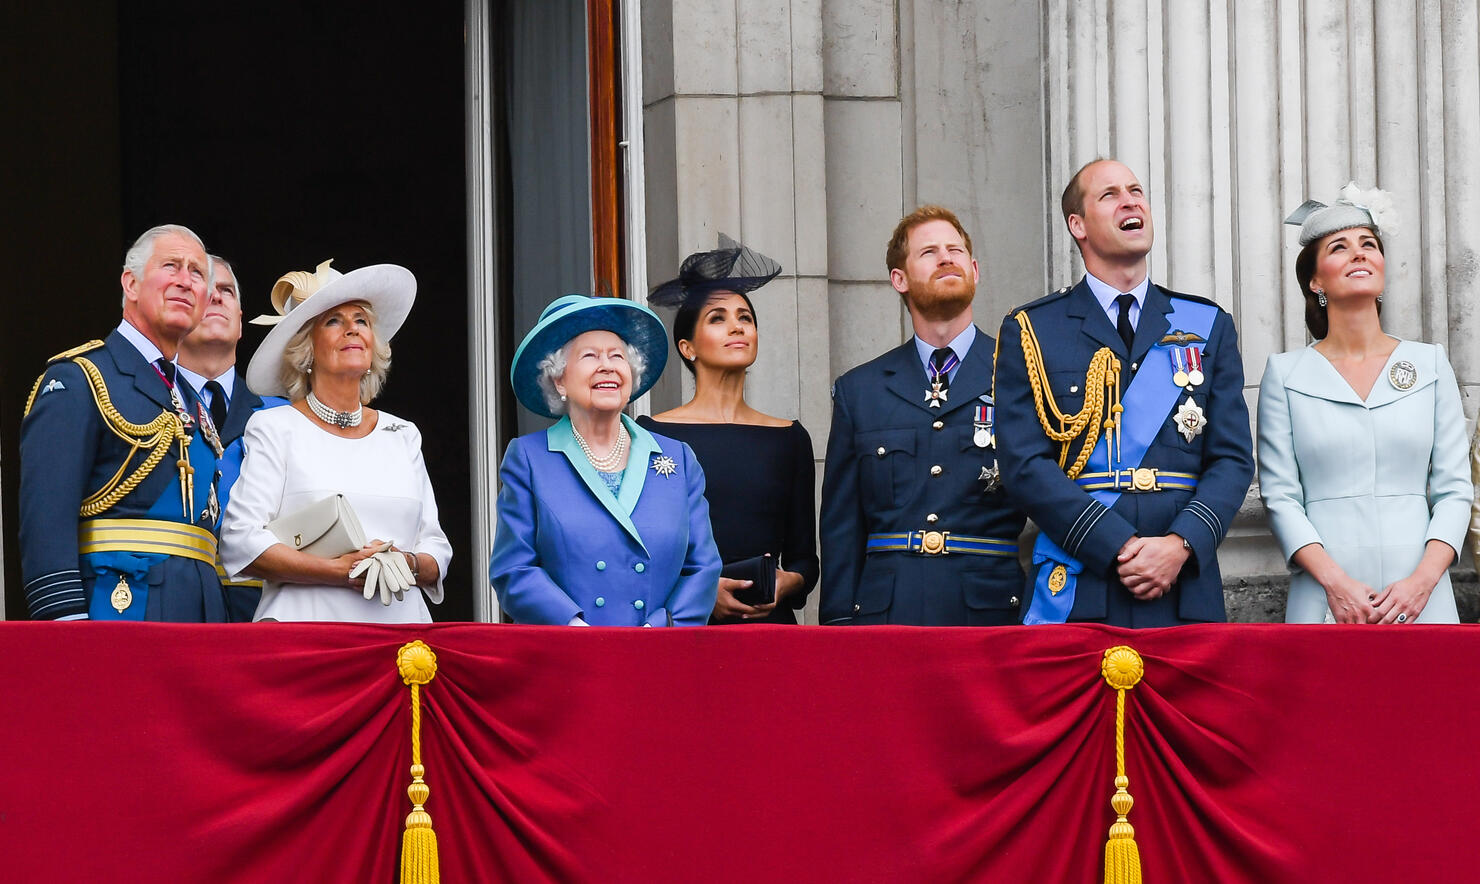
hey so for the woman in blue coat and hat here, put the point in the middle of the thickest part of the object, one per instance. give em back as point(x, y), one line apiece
point(600, 522)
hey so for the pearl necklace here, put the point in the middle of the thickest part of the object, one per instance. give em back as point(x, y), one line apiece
point(341, 419)
point(613, 458)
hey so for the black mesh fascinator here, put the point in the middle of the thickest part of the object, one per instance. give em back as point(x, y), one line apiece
point(732, 267)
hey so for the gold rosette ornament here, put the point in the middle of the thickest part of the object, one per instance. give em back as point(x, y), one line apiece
point(417, 665)
point(1122, 670)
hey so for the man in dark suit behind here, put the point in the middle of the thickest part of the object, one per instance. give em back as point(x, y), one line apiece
point(914, 527)
point(208, 361)
point(1124, 428)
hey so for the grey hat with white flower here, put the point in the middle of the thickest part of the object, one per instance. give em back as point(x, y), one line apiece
point(1354, 207)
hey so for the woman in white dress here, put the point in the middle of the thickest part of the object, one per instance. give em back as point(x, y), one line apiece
point(1362, 452)
point(329, 355)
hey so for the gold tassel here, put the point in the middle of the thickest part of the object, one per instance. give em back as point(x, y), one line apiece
point(1122, 668)
point(418, 665)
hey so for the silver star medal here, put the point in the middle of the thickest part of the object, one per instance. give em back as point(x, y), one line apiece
point(212, 512)
point(208, 428)
point(935, 395)
point(1190, 419)
point(663, 465)
point(991, 478)
point(180, 409)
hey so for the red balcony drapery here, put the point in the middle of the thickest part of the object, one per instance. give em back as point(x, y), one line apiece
point(280, 752)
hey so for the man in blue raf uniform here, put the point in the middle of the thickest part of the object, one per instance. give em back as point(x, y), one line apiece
point(118, 459)
point(1124, 428)
point(914, 526)
point(208, 361)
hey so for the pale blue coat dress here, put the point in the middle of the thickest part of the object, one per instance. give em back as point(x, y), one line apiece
point(1372, 481)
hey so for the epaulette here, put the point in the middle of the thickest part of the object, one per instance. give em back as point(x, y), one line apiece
point(75, 351)
point(1051, 296)
point(1186, 297)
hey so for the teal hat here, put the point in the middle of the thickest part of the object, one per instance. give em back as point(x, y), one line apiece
point(569, 317)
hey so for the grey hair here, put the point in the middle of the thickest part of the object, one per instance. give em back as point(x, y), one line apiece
point(142, 250)
point(237, 283)
point(295, 372)
point(553, 366)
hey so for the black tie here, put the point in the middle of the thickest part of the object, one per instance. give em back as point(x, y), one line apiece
point(940, 366)
point(166, 368)
point(1123, 323)
point(218, 404)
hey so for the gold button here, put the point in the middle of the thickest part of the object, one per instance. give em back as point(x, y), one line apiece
point(855, 609)
point(938, 425)
point(881, 451)
point(935, 470)
point(932, 518)
point(1013, 602)
point(1074, 388)
point(1135, 366)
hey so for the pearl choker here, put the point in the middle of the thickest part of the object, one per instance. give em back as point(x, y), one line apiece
point(613, 458)
point(341, 419)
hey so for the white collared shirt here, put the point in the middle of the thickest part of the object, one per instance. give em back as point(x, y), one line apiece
point(959, 345)
point(145, 346)
point(1106, 294)
point(198, 381)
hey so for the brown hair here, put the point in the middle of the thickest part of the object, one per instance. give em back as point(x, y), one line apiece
point(1316, 320)
point(1072, 200)
point(899, 243)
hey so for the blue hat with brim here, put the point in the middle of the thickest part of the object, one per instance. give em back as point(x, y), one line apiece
point(569, 317)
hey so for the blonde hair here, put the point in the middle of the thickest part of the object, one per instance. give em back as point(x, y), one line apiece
point(296, 370)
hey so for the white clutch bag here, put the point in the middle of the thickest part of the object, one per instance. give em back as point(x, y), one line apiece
point(325, 528)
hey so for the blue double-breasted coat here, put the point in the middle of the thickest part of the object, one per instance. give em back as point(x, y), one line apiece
point(895, 465)
point(1071, 326)
point(566, 546)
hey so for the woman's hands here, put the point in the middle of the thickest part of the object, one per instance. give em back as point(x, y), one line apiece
point(728, 609)
point(1403, 600)
point(1350, 600)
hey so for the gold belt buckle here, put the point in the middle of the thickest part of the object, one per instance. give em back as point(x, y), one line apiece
point(933, 543)
point(1143, 479)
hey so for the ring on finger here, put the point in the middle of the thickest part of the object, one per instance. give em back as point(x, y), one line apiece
point(1403, 617)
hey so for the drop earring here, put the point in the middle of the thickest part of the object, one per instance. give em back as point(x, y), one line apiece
point(1321, 297)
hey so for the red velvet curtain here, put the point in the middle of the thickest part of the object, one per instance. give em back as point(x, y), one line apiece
point(140, 752)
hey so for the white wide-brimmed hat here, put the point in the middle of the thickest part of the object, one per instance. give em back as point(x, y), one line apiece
point(300, 297)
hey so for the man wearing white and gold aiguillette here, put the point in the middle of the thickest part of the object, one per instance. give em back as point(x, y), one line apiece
point(118, 459)
point(1125, 435)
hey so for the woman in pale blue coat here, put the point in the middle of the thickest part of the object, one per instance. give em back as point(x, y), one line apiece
point(600, 522)
point(1362, 453)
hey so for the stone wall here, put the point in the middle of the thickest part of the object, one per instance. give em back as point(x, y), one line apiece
point(807, 127)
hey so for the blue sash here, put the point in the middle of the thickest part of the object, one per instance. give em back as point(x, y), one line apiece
point(1148, 400)
point(109, 567)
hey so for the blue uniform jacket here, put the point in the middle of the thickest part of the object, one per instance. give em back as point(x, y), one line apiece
point(881, 476)
point(566, 547)
point(67, 453)
point(242, 597)
point(1071, 326)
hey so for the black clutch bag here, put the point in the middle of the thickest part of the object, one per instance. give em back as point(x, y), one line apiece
point(761, 571)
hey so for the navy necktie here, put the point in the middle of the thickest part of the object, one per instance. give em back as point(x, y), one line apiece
point(166, 368)
point(218, 404)
point(1123, 323)
point(941, 363)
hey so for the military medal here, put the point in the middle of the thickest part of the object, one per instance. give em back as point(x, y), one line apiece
point(1178, 355)
point(940, 379)
point(122, 596)
point(1195, 374)
point(1190, 419)
point(935, 395)
point(1058, 578)
point(991, 478)
point(180, 409)
point(1403, 375)
point(208, 427)
point(212, 512)
point(981, 427)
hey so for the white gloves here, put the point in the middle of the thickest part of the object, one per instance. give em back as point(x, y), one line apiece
point(386, 572)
